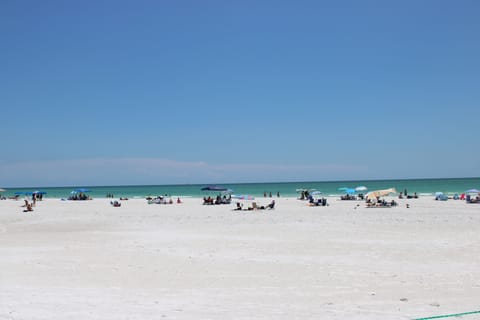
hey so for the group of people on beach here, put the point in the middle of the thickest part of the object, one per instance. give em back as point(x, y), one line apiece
point(254, 206)
point(162, 200)
point(79, 196)
point(380, 203)
point(218, 200)
point(270, 194)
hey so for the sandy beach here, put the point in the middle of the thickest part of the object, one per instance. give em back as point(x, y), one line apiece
point(90, 260)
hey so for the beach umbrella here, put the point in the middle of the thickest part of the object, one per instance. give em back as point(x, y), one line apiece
point(243, 197)
point(361, 188)
point(82, 190)
point(380, 193)
point(228, 191)
point(316, 192)
point(472, 191)
point(347, 190)
point(438, 194)
point(304, 190)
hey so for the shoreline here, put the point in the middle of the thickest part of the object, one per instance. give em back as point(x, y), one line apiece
point(449, 186)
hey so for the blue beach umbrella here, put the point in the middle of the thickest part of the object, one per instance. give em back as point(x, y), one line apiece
point(82, 190)
point(346, 190)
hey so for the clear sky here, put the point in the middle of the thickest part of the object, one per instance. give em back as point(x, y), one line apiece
point(167, 92)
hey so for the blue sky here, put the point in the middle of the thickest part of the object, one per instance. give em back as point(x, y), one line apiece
point(167, 92)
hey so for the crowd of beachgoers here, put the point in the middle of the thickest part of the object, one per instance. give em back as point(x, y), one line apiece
point(374, 199)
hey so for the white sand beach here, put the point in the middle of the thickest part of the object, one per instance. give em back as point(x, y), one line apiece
point(89, 260)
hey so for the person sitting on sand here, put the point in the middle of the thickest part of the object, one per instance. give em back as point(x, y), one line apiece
point(271, 205)
point(239, 206)
point(29, 207)
point(115, 203)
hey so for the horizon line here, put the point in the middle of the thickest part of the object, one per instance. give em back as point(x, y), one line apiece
point(241, 183)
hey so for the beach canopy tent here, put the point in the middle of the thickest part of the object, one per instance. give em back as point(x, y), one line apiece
point(380, 193)
point(79, 191)
point(19, 193)
point(214, 188)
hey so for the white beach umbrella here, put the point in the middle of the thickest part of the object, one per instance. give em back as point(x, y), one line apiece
point(473, 191)
point(2, 190)
point(361, 188)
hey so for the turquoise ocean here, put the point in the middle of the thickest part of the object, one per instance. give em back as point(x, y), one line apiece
point(423, 187)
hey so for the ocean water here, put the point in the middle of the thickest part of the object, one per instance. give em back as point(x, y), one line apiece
point(423, 187)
